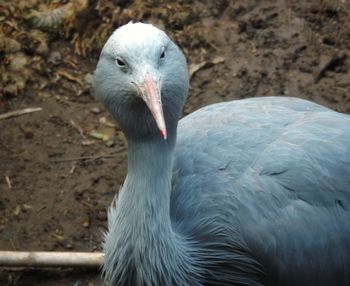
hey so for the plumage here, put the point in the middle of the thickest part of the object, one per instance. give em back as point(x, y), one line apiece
point(247, 192)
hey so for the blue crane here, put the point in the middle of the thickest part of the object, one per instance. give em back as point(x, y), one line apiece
point(247, 192)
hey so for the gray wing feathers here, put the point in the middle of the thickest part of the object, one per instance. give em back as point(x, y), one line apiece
point(274, 172)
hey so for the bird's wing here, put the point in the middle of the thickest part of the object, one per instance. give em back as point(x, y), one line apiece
point(275, 171)
point(301, 146)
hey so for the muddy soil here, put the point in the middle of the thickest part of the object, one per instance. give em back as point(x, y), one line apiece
point(60, 167)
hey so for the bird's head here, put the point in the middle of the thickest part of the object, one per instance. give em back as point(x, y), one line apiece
point(142, 79)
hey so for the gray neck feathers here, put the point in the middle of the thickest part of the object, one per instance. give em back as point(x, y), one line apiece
point(141, 247)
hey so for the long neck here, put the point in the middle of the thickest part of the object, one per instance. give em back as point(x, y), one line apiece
point(147, 188)
point(141, 247)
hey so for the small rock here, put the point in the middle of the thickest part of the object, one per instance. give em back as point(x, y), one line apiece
point(95, 110)
point(54, 58)
point(89, 79)
point(110, 143)
point(85, 222)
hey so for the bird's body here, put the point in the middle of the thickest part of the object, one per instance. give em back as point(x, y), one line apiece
point(274, 173)
point(254, 192)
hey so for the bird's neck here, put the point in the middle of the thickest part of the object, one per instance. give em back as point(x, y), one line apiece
point(148, 185)
point(141, 236)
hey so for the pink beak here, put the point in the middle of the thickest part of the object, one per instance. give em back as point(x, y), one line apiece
point(150, 93)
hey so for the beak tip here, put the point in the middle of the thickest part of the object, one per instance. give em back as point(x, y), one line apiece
point(163, 134)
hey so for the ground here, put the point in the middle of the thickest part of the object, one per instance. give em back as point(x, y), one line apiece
point(60, 167)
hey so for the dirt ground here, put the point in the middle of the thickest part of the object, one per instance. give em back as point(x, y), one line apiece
point(60, 167)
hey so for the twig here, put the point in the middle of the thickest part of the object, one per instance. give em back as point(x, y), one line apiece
point(71, 171)
point(82, 158)
point(20, 112)
point(194, 68)
point(78, 128)
point(50, 259)
point(8, 181)
point(69, 76)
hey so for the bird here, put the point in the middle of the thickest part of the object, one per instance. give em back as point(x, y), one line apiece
point(253, 191)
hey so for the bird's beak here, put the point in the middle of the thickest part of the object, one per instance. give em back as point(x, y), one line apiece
point(150, 93)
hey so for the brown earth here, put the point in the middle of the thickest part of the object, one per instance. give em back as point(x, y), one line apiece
point(58, 178)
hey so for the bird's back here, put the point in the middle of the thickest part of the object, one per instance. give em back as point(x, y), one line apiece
point(268, 178)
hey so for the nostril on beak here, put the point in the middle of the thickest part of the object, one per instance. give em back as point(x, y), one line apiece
point(137, 88)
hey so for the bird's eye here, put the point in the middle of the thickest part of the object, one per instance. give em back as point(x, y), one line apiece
point(162, 55)
point(120, 62)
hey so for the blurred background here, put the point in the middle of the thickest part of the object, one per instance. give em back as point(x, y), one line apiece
point(62, 163)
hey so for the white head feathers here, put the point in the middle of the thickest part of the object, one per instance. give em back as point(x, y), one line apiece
point(134, 35)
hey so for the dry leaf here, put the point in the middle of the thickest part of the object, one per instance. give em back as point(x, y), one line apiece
point(99, 135)
point(17, 210)
point(103, 120)
point(85, 222)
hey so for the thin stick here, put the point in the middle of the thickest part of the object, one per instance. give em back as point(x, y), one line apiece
point(50, 259)
point(82, 158)
point(78, 128)
point(20, 112)
point(8, 181)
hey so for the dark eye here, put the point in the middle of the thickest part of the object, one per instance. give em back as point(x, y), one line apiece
point(162, 55)
point(120, 62)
